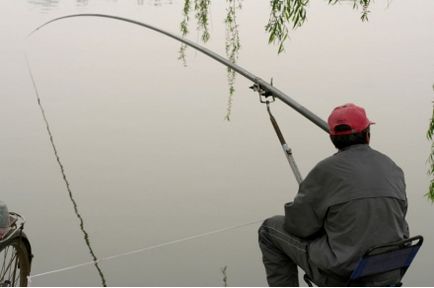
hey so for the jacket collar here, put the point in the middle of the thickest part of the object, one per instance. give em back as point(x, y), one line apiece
point(355, 147)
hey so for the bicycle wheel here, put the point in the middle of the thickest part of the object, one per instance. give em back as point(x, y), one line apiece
point(14, 262)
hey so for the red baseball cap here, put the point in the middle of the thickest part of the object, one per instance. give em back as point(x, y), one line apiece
point(350, 115)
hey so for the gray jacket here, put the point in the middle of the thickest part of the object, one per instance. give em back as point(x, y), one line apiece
point(348, 203)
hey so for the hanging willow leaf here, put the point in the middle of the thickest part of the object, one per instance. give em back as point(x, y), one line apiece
point(292, 13)
point(232, 47)
point(429, 136)
point(284, 13)
point(356, 3)
point(365, 10)
point(184, 30)
point(202, 10)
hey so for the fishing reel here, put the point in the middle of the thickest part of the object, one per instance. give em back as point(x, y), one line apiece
point(263, 93)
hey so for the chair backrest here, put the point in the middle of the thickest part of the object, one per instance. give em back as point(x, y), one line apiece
point(389, 257)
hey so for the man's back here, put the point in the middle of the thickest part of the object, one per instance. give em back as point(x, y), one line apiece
point(348, 203)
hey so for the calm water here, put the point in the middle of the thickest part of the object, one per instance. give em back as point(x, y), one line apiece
point(148, 154)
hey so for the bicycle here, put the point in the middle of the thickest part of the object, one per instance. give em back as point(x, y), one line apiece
point(15, 250)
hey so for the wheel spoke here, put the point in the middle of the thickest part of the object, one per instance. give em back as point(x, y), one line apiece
point(9, 266)
point(17, 279)
point(16, 263)
point(4, 261)
point(15, 271)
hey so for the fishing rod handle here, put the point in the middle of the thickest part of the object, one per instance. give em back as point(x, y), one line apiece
point(291, 161)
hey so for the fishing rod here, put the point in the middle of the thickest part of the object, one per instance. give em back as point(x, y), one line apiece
point(263, 98)
point(261, 85)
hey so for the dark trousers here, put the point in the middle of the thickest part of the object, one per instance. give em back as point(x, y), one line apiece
point(282, 253)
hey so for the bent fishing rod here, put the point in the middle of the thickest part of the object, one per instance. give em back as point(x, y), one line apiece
point(261, 85)
point(264, 89)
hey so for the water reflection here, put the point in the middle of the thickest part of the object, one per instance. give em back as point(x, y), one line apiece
point(82, 2)
point(48, 5)
point(45, 5)
point(156, 2)
point(65, 180)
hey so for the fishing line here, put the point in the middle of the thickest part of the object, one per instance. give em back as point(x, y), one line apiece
point(96, 261)
point(258, 81)
point(148, 248)
point(65, 179)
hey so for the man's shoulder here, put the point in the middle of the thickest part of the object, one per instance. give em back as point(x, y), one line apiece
point(385, 158)
point(352, 156)
point(361, 150)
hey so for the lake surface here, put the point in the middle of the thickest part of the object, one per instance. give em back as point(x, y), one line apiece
point(147, 152)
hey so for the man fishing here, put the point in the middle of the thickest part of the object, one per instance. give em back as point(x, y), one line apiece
point(348, 203)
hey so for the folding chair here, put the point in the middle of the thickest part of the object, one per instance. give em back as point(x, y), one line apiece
point(384, 258)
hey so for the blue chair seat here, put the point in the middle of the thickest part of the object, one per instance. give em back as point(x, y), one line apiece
point(395, 256)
